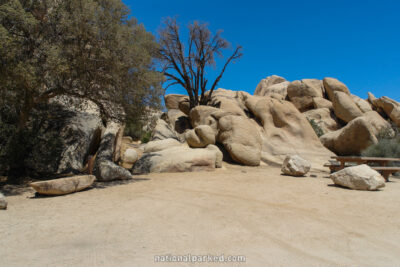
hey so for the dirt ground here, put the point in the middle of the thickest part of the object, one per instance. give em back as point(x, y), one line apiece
point(254, 212)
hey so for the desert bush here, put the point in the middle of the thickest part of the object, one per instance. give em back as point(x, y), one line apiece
point(146, 137)
point(317, 129)
point(388, 146)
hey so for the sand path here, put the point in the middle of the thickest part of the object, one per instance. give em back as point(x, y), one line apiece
point(255, 212)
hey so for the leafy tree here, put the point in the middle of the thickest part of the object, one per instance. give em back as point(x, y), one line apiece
point(186, 64)
point(88, 49)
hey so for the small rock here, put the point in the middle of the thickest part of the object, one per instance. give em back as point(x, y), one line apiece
point(63, 186)
point(295, 166)
point(3, 202)
point(361, 177)
point(129, 158)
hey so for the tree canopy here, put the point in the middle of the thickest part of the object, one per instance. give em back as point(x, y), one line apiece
point(89, 49)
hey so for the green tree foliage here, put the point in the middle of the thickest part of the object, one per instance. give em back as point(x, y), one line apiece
point(87, 49)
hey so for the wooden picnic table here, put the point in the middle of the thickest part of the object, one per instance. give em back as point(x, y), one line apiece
point(364, 160)
point(382, 168)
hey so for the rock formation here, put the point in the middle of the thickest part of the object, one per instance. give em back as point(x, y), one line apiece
point(295, 166)
point(63, 186)
point(361, 177)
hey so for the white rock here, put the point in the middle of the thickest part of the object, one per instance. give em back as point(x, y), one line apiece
point(130, 156)
point(295, 166)
point(177, 159)
point(361, 177)
point(159, 145)
point(3, 202)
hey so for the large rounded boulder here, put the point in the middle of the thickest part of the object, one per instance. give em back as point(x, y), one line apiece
point(239, 138)
point(344, 107)
point(351, 139)
point(332, 85)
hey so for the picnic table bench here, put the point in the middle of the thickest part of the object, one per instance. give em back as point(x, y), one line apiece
point(341, 162)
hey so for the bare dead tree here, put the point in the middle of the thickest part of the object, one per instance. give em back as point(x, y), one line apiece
point(186, 66)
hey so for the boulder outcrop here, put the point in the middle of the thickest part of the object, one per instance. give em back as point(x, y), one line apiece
point(324, 118)
point(237, 135)
point(172, 101)
point(66, 138)
point(361, 177)
point(177, 159)
point(295, 166)
point(351, 139)
point(105, 168)
point(201, 136)
point(333, 85)
point(63, 186)
point(320, 102)
point(272, 86)
point(344, 106)
point(158, 145)
point(285, 131)
point(362, 104)
point(389, 106)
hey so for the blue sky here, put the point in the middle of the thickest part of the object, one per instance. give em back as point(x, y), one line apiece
point(357, 42)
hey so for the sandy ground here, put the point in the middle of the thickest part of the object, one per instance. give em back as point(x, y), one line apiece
point(255, 212)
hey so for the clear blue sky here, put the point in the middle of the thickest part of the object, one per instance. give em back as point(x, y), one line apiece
point(357, 42)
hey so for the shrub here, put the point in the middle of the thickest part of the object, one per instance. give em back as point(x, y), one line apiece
point(146, 137)
point(387, 147)
point(317, 129)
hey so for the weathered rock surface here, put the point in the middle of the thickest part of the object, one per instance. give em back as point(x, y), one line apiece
point(272, 86)
point(204, 115)
point(177, 159)
point(105, 168)
point(63, 186)
point(295, 166)
point(332, 85)
point(201, 136)
point(285, 131)
point(361, 177)
point(172, 101)
point(362, 104)
point(159, 145)
point(163, 130)
point(351, 139)
point(178, 122)
point(219, 155)
point(229, 101)
point(389, 106)
point(305, 87)
point(324, 118)
point(237, 135)
point(303, 103)
point(129, 157)
point(3, 202)
point(66, 137)
point(277, 90)
point(378, 124)
point(320, 102)
point(109, 171)
point(344, 107)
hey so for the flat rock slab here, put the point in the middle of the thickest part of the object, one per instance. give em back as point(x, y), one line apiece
point(63, 186)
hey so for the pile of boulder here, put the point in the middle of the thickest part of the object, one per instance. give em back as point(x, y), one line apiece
point(350, 124)
point(235, 126)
